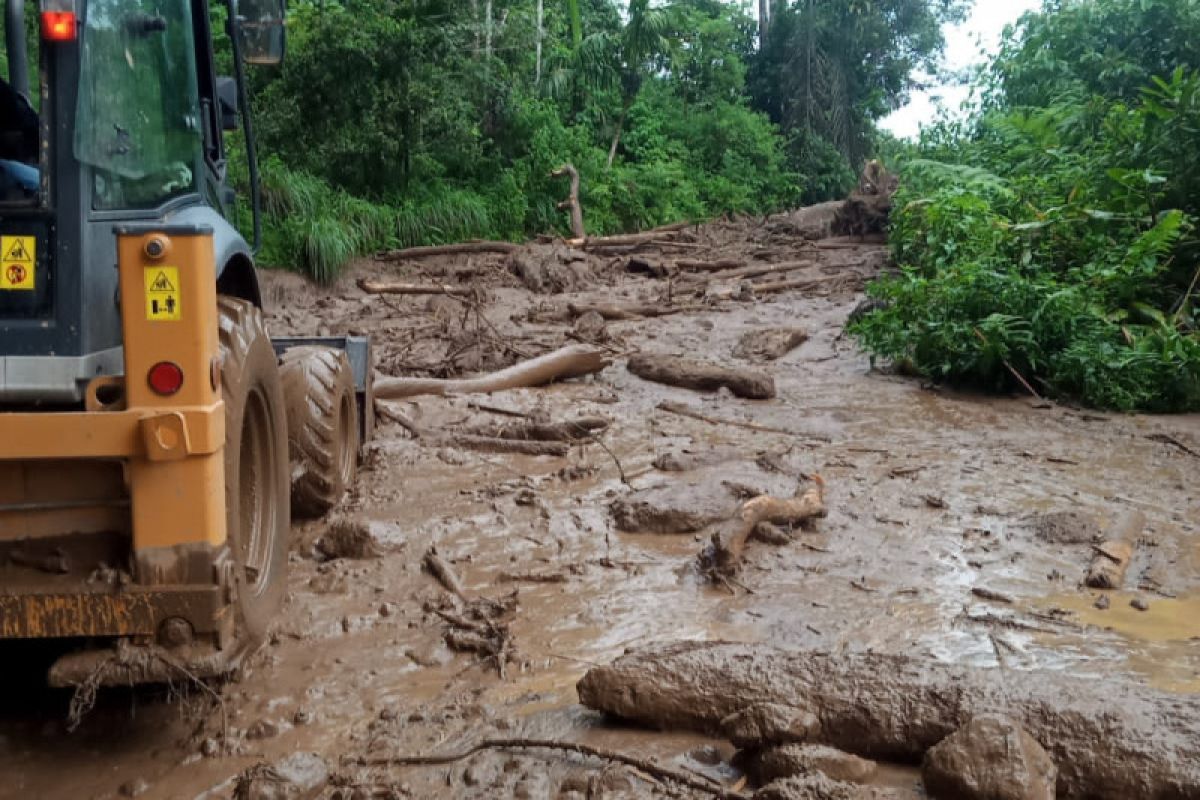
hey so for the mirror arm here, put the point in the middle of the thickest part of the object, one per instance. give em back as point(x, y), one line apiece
point(14, 35)
point(239, 75)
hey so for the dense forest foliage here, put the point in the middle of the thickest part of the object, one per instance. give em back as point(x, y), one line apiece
point(1048, 242)
point(400, 122)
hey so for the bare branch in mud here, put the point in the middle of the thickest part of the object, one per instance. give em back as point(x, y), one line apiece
point(388, 287)
point(568, 362)
point(642, 765)
point(684, 411)
point(755, 271)
point(615, 313)
point(449, 250)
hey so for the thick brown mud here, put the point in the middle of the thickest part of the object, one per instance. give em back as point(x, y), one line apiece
point(931, 495)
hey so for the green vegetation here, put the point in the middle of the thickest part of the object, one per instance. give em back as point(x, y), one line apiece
point(1051, 238)
point(401, 122)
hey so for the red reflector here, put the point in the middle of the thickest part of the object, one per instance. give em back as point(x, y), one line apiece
point(165, 378)
point(58, 26)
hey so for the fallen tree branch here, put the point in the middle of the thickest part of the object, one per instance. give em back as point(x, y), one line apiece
point(492, 444)
point(567, 362)
point(448, 250)
point(569, 431)
point(628, 312)
point(1110, 739)
point(700, 375)
point(756, 270)
point(684, 411)
point(625, 240)
point(724, 555)
point(709, 266)
point(642, 765)
point(384, 287)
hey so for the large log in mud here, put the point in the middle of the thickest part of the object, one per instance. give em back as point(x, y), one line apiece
point(700, 375)
point(573, 361)
point(1111, 740)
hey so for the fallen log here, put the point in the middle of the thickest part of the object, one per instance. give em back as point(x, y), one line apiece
point(724, 554)
point(572, 430)
point(700, 375)
point(572, 361)
point(386, 287)
point(448, 250)
point(443, 572)
point(1111, 562)
point(756, 270)
point(628, 312)
point(1109, 739)
point(494, 444)
point(626, 240)
point(709, 266)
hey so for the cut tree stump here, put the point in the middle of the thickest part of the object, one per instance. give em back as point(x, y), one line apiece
point(567, 362)
point(1111, 740)
point(1108, 568)
point(700, 375)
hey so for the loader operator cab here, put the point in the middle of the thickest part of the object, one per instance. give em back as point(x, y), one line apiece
point(152, 433)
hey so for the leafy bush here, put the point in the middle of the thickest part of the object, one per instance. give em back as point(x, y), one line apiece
point(1054, 244)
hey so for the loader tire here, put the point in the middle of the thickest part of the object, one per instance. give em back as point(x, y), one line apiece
point(256, 468)
point(322, 418)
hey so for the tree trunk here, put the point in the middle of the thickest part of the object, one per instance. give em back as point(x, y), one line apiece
point(1109, 739)
point(764, 18)
point(537, 75)
point(612, 151)
point(572, 201)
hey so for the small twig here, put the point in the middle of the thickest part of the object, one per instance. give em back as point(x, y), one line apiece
point(862, 586)
point(1012, 370)
point(642, 765)
point(683, 411)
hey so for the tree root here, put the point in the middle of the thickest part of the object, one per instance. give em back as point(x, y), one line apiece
point(655, 771)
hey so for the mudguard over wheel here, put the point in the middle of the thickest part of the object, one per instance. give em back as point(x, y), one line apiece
point(322, 417)
point(256, 467)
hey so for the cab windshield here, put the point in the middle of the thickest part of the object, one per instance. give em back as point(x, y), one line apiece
point(137, 119)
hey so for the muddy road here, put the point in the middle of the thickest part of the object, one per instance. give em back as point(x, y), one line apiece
point(959, 529)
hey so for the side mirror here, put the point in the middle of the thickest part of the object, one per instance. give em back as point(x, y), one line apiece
point(227, 103)
point(260, 28)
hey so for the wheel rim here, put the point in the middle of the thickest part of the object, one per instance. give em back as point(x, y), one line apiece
point(346, 436)
point(257, 504)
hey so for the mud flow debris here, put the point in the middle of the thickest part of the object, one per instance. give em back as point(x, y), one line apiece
point(653, 467)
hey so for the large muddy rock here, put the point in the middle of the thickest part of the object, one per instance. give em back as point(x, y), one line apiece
point(989, 758)
point(1109, 739)
point(804, 759)
point(673, 508)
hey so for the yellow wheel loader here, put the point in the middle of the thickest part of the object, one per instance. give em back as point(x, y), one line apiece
point(154, 441)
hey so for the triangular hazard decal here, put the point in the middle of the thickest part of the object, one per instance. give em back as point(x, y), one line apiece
point(17, 252)
point(162, 283)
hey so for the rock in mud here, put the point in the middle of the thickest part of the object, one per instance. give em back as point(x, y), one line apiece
point(1067, 527)
point(688, 460)
point(673, 508)
point(300, 776)
point(804, 759)
point(134, 788)
point(262, 729)
point(769, 724)
point(769, 344)
point(989, 758)
point(590, 327)
point(348, 538)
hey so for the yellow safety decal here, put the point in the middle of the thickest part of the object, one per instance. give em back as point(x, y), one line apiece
point(162, 294)
point(18, 263)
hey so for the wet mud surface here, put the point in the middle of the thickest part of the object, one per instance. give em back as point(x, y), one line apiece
point(937, 544)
